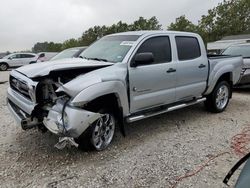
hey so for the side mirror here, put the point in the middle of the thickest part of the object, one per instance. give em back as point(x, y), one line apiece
point(143, 59)
point(10, 58)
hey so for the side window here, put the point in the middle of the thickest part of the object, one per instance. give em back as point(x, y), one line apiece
point(16, 56)
point(26, 56)
point(160, 47)
point(188, 48)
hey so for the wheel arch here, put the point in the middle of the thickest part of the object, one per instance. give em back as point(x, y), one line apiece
point(227, 76)
point(109, 101)
point(112, 90)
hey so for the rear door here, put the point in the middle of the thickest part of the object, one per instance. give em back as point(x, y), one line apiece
point(192, 68)
point(27, 59)
point(153, 85)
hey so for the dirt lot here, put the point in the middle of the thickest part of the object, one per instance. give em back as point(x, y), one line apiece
point(155, 152)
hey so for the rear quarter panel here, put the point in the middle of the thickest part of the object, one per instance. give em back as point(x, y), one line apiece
point(222, 65)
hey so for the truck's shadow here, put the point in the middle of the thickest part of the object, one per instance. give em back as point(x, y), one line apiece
point(40, 147)
point(242, 90)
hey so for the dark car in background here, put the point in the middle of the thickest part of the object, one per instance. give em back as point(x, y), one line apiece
point(243, 180)
point(69, 53)
point(244, 51)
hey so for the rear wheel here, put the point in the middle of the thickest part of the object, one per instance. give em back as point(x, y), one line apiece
point(3, 66)
point(100, 134)
point(218, 100)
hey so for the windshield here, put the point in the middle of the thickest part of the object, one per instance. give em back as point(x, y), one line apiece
point(7, 56)
point(69, 53)
point(110, 48)
point(243, 50)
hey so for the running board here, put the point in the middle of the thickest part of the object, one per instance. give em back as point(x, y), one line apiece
point(172, 108)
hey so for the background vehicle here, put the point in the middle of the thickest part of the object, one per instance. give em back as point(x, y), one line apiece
point(46, 57)
point(244, 51)
point(17, 60)
point(121, 78)
point(243, 180)
point(69, 53)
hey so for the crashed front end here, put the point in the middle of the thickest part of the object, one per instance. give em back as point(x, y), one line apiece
point(66, 120)
point(40, 103)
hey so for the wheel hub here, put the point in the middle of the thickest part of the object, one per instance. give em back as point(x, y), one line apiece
point(103, 132)
point(3, 67)
point(222, 97)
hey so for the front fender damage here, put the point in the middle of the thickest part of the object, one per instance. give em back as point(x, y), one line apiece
point(68, 121)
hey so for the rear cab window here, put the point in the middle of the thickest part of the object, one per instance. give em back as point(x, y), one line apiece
point(188, 48)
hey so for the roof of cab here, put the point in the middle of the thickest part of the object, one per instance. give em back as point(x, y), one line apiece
point(241, 44)
point(150, 32)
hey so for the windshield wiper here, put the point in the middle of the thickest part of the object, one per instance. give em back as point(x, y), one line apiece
point(95, 59)
point(98, 59)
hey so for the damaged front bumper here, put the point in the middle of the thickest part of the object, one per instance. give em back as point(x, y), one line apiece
point(76, 120)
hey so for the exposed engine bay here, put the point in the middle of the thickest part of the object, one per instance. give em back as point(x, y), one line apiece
point(46, 95)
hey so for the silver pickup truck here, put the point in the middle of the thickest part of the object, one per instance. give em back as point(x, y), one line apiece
point(119, 79)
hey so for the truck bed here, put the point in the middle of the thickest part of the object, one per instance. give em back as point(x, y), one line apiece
point(219, 64)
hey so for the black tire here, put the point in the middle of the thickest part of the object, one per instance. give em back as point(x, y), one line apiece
point(4, 66)
point(212, 103)
point(86, 140)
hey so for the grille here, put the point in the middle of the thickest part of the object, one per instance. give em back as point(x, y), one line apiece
point(20, 87)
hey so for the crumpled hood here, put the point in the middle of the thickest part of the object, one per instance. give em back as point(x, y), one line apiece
point(44, 68)
point(117, 72)
point(73, 87)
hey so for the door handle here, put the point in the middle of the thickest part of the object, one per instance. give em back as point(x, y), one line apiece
point(202, 66)
point(171, 70)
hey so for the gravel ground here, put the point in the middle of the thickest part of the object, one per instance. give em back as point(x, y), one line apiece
point(155, 152)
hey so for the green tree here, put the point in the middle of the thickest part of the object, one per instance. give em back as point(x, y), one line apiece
point(93, 33)
point(47, 47)
point(70, 43)
point(231, 17)
point(144, 24)
point(183, 24)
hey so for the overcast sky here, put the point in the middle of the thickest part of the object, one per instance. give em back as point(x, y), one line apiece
point(25, 22)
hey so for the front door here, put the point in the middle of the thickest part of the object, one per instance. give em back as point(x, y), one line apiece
point(15, 60)
point(154, 84)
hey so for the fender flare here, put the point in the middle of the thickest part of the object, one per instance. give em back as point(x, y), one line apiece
point(215, 76)
point(104, 88)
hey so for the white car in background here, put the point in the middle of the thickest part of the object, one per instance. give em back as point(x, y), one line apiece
point(17, 60)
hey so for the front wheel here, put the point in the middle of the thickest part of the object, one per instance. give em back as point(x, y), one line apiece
point(218, 100)
point(100, 134)
point(3, 66)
